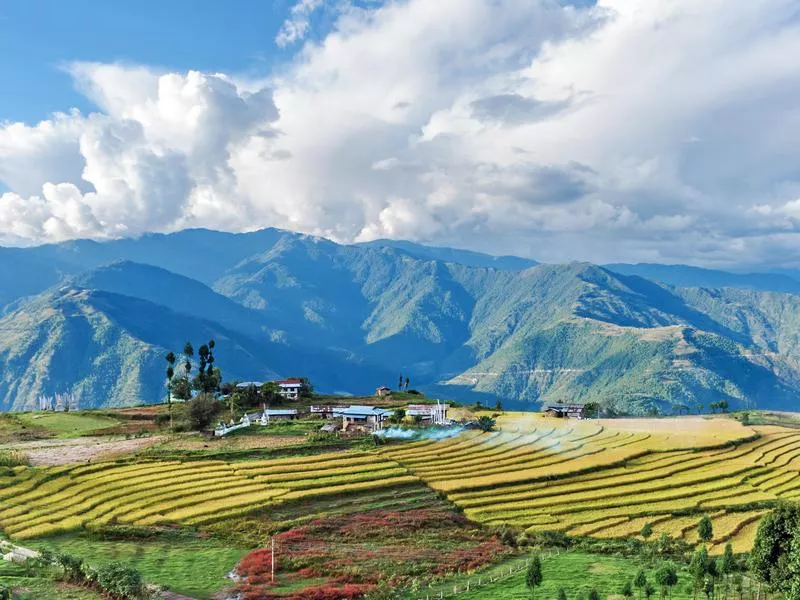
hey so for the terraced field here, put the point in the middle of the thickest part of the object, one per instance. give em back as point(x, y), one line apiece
point(607, 479)
point(42, 502)
point(603, 479)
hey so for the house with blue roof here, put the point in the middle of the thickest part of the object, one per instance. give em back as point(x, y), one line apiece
point(370, 418)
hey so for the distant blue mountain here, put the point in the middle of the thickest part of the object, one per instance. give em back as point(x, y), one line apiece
point(686, 276)
point(453, 255)
point(98, 318)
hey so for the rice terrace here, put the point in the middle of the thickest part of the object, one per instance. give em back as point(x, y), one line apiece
point(361, 518)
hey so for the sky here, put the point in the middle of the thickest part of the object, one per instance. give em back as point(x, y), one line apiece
point(621, 130)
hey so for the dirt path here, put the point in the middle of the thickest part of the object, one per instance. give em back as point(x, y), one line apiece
point(79, 450)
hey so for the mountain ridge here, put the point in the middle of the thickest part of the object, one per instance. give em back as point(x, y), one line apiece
point(356, 316)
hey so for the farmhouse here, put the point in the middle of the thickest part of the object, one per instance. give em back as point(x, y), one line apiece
point(324, 410)
point(290, 388)
point(370, 418)
point(435, 414)
point(383, 391)
point(566, 411)
point(275, 414)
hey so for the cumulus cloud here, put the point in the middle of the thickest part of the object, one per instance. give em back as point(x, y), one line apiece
point(656, 130)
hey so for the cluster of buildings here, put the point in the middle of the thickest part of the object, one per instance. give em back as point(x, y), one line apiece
point(354, 418)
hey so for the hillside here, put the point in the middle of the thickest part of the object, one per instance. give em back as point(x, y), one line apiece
point(354, 317)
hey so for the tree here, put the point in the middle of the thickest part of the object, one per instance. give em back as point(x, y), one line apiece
point(592, 409)
point(269, 393)
point(398, 416)
point(745, 418)
point(647, 531)
point(486, 423)
point(407, 382)
point(170, 374)
point(188, 353)
point(775, 558)
point(666, 576)
point(562, 594)
point(699, 569)
point(498, 405)
point(705, 529)
point(182, 389)
point(593, 595)
point(640, 581)
point(627, 590)
point(708, 587)
point(400, 384)
point(533, 577)
point(202, 411)
point(649, 590)
point(208, 377)
point(727, 565)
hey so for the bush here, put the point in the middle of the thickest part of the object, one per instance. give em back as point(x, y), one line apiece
point(120, 581)
point(5, 593)
point(12, 458)
point(72, 567)
point(202, 411)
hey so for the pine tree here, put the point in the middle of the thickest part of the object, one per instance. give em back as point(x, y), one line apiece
point(705, 529)
point(533, 577)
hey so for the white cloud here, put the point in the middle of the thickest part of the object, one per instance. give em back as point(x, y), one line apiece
point(515, 126)
point(295, 28)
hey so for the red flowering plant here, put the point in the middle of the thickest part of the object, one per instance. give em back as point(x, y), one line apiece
point(355, 553)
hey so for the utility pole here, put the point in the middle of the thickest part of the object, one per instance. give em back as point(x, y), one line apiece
point(272, 557)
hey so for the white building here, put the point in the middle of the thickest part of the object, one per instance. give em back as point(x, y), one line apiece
point(435, 414)
point(290, 388)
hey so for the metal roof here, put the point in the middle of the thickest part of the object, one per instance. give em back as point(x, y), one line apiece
point(362, 411)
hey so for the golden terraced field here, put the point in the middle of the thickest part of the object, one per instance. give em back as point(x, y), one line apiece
point(604, 479)
point(609, 478)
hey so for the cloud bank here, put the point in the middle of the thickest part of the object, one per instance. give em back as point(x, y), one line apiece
point(652, 130)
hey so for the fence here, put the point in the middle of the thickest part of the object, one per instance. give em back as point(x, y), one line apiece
point(476, 581)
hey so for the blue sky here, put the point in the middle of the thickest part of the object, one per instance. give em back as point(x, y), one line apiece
point(615, 131)
point(38, 36)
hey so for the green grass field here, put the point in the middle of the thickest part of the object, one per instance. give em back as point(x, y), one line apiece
point(576, 572)
point(27, 587)
point(66, 425)
point(194, 567)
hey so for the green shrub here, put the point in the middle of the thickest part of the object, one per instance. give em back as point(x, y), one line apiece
point(5, 593)
point(120, 581)
point(71, 566)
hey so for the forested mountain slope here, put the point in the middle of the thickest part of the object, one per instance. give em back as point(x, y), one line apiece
point(102, 315)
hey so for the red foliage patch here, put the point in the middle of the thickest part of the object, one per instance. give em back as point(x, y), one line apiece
point(355, 553)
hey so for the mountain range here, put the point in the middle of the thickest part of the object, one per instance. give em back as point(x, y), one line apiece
point(97, 318)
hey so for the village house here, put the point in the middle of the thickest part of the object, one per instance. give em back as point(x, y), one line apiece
point(434, 414)
point(369, 418)
point(325, 410)
point(383, 391)
point(278, 414)
point(566, 411)
point(290, 388)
